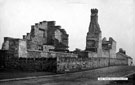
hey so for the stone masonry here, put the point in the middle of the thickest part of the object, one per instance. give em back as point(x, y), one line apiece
point(109, 48)
point(44, 37)
point(46, 33)
point(45, 48)
point(95, 46)
point(94, 34)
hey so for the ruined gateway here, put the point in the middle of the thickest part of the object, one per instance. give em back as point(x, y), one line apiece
point(45, 48)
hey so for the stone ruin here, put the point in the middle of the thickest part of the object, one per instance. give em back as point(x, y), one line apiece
point(47, 46)
point(44, 36)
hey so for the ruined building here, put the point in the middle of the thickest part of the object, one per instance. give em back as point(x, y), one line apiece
point(45, 48)
point(95, 46)
point(44, 36)
point(109, 47)
point(93, 39)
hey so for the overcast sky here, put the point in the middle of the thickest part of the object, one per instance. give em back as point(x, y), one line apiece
point(116, 19)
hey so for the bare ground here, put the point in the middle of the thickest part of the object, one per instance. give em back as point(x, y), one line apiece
point(78, 78)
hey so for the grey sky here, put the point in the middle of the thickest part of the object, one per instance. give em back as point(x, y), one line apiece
point(116, 19)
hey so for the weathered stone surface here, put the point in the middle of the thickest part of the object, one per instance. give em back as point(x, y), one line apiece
point(22, 48)
point(105, 53)
point(71, 64)
point(60, 54)
point(31, 64)
point(130, 61)
point(92, 54)
point(49, 41)
point(50, 54)
point(44, 36)
point(47, 48)
point(93, 39)
point(94, 42)
point(123, 56)
point(11, 44)
point(34, 54)
point(5, 45)
point(57, 35)
point(109, 48)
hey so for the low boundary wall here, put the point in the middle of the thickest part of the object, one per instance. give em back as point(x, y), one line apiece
point(56, 62)
point(78, 64)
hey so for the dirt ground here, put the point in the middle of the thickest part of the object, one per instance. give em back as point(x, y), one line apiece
point(79, 78)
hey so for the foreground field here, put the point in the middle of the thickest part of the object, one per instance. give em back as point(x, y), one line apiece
point(79, 78)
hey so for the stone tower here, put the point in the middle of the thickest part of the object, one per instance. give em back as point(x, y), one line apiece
point(93, 39)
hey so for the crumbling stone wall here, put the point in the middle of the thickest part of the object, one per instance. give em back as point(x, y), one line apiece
point(71, 64)
point(22, 48)
point(32, 64)
point(93, 39)
point(105, 53)
point(62, 54)
point(130, 61)
point(51, 54)
point(57, 62)
point(114, 61)
point(92, 54)
point(47, 48)
point(31, 45)
point(33, 54)
point(5, 45)
point(78, 64)
point(57, 35)
point(113, 48)
point(17, 46)
point(46, 33)
point(37, 37)
point(11, 44)
point(109, 48)
point(35, 63)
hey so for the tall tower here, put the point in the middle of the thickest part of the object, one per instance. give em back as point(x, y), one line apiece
point(93, 39)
